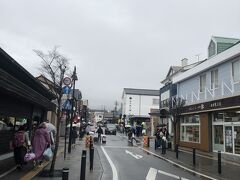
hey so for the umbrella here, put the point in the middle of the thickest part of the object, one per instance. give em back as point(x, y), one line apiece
point(51, 127)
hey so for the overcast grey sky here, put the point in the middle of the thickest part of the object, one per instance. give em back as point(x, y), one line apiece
point(115, 43)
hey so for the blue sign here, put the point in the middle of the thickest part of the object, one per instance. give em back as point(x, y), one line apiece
point(67, 105)
point(66, 90)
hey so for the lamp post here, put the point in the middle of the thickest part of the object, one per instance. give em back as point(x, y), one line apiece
point(74, 78)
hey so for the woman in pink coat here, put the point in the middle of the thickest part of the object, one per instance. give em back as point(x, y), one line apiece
point(41, 141)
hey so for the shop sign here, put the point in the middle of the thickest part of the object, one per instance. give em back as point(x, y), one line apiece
point(223, 103)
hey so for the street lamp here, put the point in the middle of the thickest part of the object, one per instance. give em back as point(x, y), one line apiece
point(74, 78)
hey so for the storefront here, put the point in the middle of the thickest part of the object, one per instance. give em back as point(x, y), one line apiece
point(23, 100)
point(226, 131)
point(212, 126)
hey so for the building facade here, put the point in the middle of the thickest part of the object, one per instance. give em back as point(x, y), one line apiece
point(169, 90)
point(23, 101)
point(138, 102)
point(136, 106)
point(211, 118)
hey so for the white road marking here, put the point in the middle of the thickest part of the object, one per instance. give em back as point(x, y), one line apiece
point(183, 167)
point(114, 170)
point(171, 175)
point(152, 173)
point(6, 173)
point(135, 156)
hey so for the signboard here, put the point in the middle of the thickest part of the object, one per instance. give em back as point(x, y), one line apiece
point(67, 105)
point(213, 105)
point(66, 90)
point(67, 81)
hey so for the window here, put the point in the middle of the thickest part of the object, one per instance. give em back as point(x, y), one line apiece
point(155, 101)
point(202, 82)
point(214, 79)
point(236, 71)
point(190, 129)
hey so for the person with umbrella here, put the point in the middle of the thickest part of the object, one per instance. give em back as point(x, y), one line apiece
point(52, 133)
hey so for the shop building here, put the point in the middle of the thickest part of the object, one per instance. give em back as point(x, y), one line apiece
point(211, 118)
point(169, 90)
point(23, 100)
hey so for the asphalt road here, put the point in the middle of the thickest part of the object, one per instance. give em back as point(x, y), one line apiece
point(131, 163)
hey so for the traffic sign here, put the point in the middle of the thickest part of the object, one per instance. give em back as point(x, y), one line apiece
point(67, 81)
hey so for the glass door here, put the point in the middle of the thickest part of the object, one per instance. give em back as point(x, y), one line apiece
point(228, 139)
point(218, 139)
point(237, 139)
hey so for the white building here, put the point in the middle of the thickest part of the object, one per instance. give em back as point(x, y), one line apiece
point(139, 102)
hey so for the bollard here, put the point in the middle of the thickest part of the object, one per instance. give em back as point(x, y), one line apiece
point(155, 145)
point(65, 172)
point(194, 156)
point(83, 165)
point(148, 142)
point(219, 163)
point(176, 149)
point(91, 156)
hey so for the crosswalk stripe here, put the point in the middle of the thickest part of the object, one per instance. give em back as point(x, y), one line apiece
point(152, 173)
point(171, 175)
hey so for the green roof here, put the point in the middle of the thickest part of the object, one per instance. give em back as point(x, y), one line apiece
point(225, 40)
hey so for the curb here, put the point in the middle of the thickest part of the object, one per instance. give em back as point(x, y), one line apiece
point(31, 174)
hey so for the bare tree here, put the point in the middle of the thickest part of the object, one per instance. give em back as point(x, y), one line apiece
point(176, 109)
point(54, 66)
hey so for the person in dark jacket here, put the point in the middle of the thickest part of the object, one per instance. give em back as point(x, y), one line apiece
point(74, 136)
point(100, 132)
point(21, 143)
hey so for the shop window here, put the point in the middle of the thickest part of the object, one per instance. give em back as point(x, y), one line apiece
point(190, 129)
point(232, 116)
point(214, 79)
point(218, 116)
point(6, 123)
point(202, 82)
point(236, 71)
point(218, 142)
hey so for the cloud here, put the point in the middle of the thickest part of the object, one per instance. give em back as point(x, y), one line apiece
point(115, 44)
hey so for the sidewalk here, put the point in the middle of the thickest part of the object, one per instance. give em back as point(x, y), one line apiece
point(206, 163)
point(73, 162)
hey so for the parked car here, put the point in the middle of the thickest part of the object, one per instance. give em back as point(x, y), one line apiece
point(111, 129)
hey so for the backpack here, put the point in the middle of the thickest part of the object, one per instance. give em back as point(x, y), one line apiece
point(19, 139)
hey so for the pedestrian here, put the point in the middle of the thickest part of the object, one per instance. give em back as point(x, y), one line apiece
point(41, 141)
point(88, 129)
point(81, 132)
point(74, 136)
point(100, 132)
point(164, 142)
point(21, 144)
point(158, 138)
point(129, 134)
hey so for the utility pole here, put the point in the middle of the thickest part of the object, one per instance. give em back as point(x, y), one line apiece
point(74, 78)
